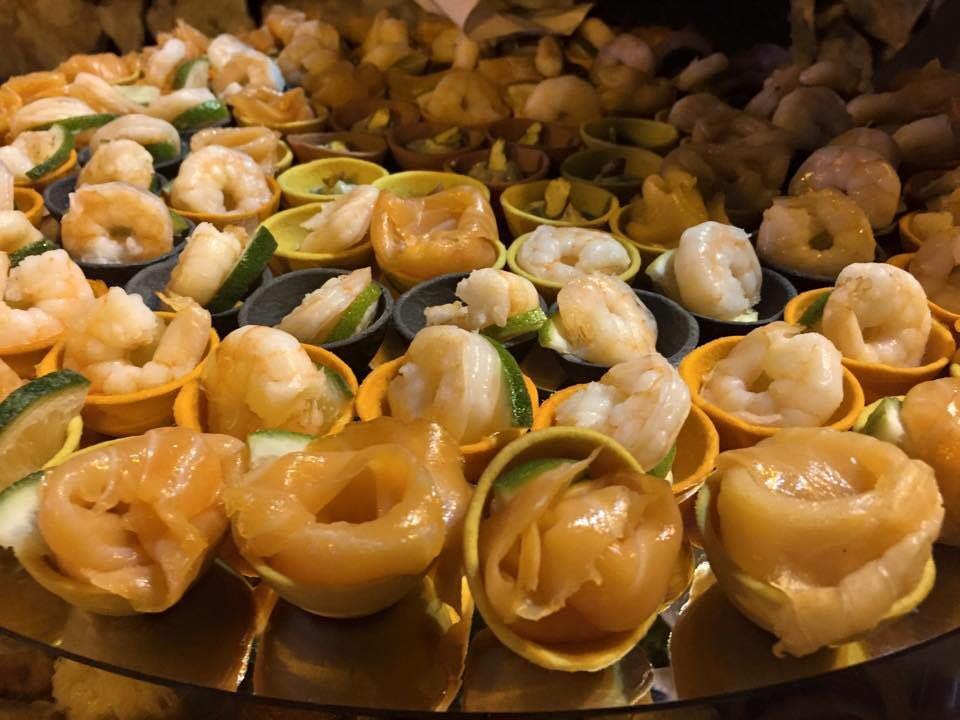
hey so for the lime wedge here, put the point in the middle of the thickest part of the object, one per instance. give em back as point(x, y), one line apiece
point(269, 444)
point(662, 468)
point(518, 399)
point(812, 315)
point(80, 123)
point(202, 115)
point(35, 248)
point(338, 381)
point(18, 509)
point(551, 338)
point(163, 151)
point(521, 324)
point(192, 74)
point(358, 315)
point(63, 144)
point(140, 94)
point(248, 268)
point(882, 420)
point(507, 484)
point(180, 224)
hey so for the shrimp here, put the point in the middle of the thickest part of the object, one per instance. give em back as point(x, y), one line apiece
point(878, 313)
point(248, 69)
point(317, 314)
point(170, 106)
point(9, 380)
point(929, 141)
point(777, 85)
point(342, 223)
point(159, 68)
point(216, 179)
point(16, 231)
point(51, 282)
point(489, 298)
point(19, 327)
point(778, 376)
point(116, 223)
point(223, 48)
point(935, 267)
point(464, 97)
point(549, 57)
point(818, 233)
point(261, 377)
point(101, 95)
point(46, 111)
point(928, 92)
point(260, 143)
point(28, 150)
point(859, 173)
point(282, 22)
point(314, 47)
point(717, 271)
point(601, 320)
point(812, 115)
point(138, 127)
point(121, 160)
point(206, 262)
point(873, 138)
point(36, 85)
point(700, 71)
point(564, 99)
point(564, 254)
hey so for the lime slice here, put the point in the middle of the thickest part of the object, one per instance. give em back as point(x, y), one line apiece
point(662, 468)
point(269, 444)
point(163, 151)
point(140, 94)
point(192, 74)
point(63, 145)
point(521, 324)
point(882, 420)
point(202, 115)
point(80, 123)
point(358, 315)
point(660, 272)
point(35, 248)
point(551, 338)
point(34, 419)
point(518, 399)
point(248, 268)
point(180, 224)
point(812, 315)
point(507, 484)
point(18, 509)
point(338, 381)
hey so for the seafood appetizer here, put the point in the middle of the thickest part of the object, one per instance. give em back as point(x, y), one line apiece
point(452, 230)
point(261, 105)
point(362, 515)
point(925, 225)
point(934, 266)
point(47, 111)
point(561, 255)
point(778, 376)
point(818, 536)
point(444, 142)
point(878, 313)
point(106, 66)
point(115, 222)
point(127, 527)
point(260, 143)
point(158, 137)
point(36, 153)
point(219, 180)
point(600, 320)
point(463, 381)
point(495, 302)
point(120, 160)
point(261, 377)
point(557, 204)
point(189, 109)
point(817, 233)
point(566, 99)
point(464, 97)
point(641, 403)
point(341, 224)
point(339, 309)
point(713, 272)
point(235, 66)
point(498, 167)
point(669, 204)
point(17, 233)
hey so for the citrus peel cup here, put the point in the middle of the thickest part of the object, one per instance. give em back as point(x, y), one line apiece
point(595, 204)
point(287, 228)
point(945, 316)
point(56, 174)
point(30, 203)
point(309, 182)
point(247, 218)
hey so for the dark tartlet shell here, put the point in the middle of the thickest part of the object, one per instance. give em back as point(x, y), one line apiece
point(557, 141)
point(400, 137)
point(532, 163)
point(402, 112)
point(368, 146)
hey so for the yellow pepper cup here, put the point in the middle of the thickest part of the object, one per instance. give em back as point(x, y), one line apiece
point(660, 137)
point(372, 403)
point(589, 200)
point(189, 409)
point(51, 177)
point(30, 203)
point(737, 433)
point(945, 316)
point(304, 184)
point(548, 288)
point(286, 229)
point(128, 414)
point(284, 158)
point(879, 380)
point(295, 126)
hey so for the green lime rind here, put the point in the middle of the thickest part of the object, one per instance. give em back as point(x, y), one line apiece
point(663, 468)
point(358, 315)
point(267, 444)
point(520, 324)
point(516, 477)
point(18, 509)
point(518, 399)
point(337, 379)
point(163, 151)
point(182, 75)
point(35, 248)
point(248, 268)
point(813, 314)
point(80, 123)
point(883, 420)
point(40, 390)
point(57, 158)
point(202, 115)
point(180, 224)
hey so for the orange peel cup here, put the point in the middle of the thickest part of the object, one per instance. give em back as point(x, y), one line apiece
point(372, 403)
point(189, 407)
point(128, 414)
point(51, 177)
point(877, 380)
point(737, 433)
point(30, 203)
point(245, 217)
point(945, 316)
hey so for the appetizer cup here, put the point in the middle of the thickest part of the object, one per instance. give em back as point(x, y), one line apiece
point(362, 146)
point(402, 112)
point(532, 163)
point(51, 177)
point(586, 165)
point(286, 229)
point(189, 409)
point(304, 183)
point(879, 380)
point(626, 132)
point(736, 433)
point(272, 302)
point(947, 317)
point(402, 281)
point(399, 139)
point(619, 220)
point(590, 200)
point(30, 203)
point(557, 141)
point(313, 124)
point(56, 196)
point(549, 288)
point(372, 403)
point(247, 218)
point(167, 168)
point(804, 282)
point(130, 413)
point(284, 157)
point(419, 183)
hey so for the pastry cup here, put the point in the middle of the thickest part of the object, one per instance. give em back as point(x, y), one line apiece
point(167, 168)
point(548, 289)
point(269, 304)
point(286, 229)
point(575, 443)
point(400, 137)
point(879, 380)
point(189, 408)
point(420, 183)
point(533, 165)
point(586, 164)
point(595, 201)
point(369, 146)
point(247, 218)
point(737, 433)
point(947, 317)
point(346, 116)
point(313, 124)
point(660, 137)
point(30, 203)
point(557, 141)
point(298, 182)
point(130, 413)
point(40, 183)
point(372, 403)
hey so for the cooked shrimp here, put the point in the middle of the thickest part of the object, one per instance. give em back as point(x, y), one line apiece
point(844, 61)
point(23, 327)
point(9, 380)
point(121, 160)
point(928, 92)
point(206, 262)
point(778, 376)
point(101, 95)
point(342, 223)
point(776, 86)
point(28, 150)
point(549, 57)
point(812, 115)
point(8, 201)
point(858, 172)
point(489, 298)
point(16, 231)
point(935, 266)
point(261, 377)
point(317, 314)
point(46, 111)
point(601, 320)
point(563, 254)
point(282, 22)
point(717, 271)
point(260, 143)
point(216, 179)
point(51, 282)
point(641, 403)
point(160, 66)
point(700, 71)
point(878, 313)
point(115, 223)
point(873, 138)
point(818, 233)
point(223, 48)
point(565, 99)
point(140, 128)
point(108, 66)
point(170, 106)
point(313, 47)
point(929, 141)
point(247, 69)
point(36, 85)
